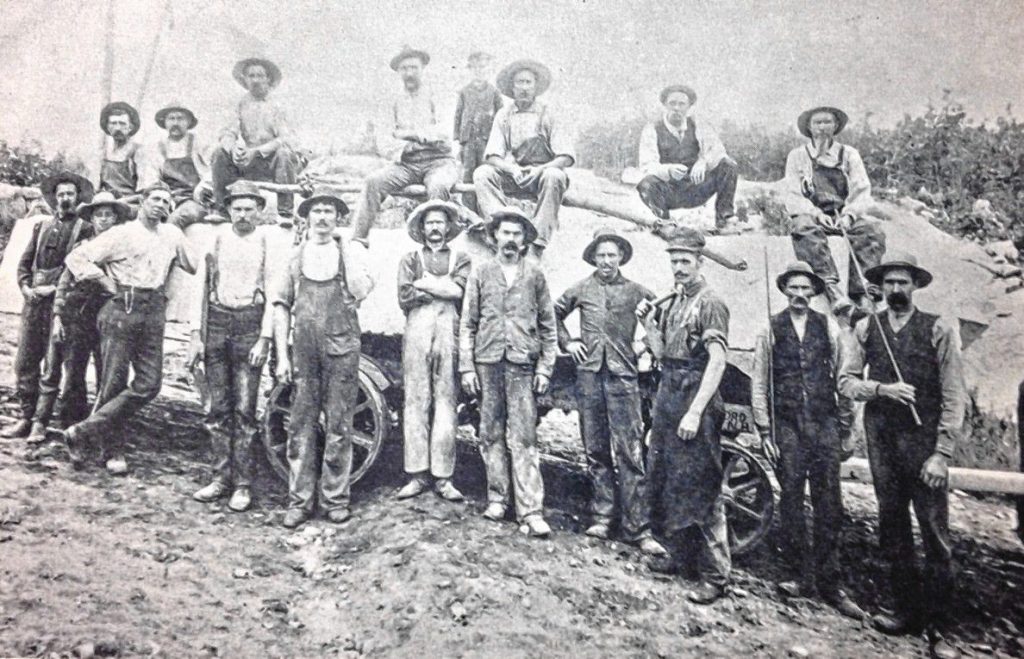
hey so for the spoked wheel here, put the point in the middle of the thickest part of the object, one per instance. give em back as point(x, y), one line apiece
point(749, 500)
point(371, 422)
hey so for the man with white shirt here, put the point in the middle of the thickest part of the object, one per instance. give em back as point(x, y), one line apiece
point(232, 326)
point(122, 156)
point(684, 162)
point(412, 138)
point(131, 261)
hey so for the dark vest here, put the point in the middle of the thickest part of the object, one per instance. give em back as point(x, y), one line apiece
point(803, 371)
point(675, 151)
point(919, 364)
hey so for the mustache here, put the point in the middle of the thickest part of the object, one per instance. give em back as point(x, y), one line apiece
point(510, 246)
point(799, 299)
point(897, 299)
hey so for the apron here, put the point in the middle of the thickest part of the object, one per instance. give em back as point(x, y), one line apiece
point(180, 174)
point(431, 329)
point(829, 186)
point(119, 176)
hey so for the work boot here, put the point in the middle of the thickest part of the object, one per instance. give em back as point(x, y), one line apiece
point(665, 564)
point(17, 430)
point(705, 593)
point(294, 517)
point(598, 530)
point(211, 492)
point(38, 433)
point(76, 445)
point(844, 605)
point(415, 487)
point(117, 465)
point(652, 547)
point(791, 588)
point(240, 500)
point(447, 491)
point(339, 515)
point(535, 527)
point(894, 625)
point(940, 648)
point(495, 512)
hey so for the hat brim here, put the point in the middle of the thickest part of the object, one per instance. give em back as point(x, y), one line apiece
point(671, 89)
point(817, 282)
point(624, 245)
point(123, 210)
point(120, 107)
point(48, 187)
point(529, 231)
point(504, 80)
point(161, 116)
point(273, 72)
point(414, 225)
point(876, 274)
point(421, 55)
point(307, 204)
point(259, 199)
point(803, 122)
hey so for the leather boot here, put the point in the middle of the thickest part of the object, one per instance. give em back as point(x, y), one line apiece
point(894, 625)
point(706, 593)
point(294, 517)
point(240, 500)
point(38, 433)
point(16, 430)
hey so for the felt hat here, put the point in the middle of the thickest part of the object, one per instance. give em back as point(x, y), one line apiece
point(504, 82)
point(120, 107)
point(803, 122)
point(685, 239)
point(671, 89)
point(273, 72)
point(800, 268)
point(513, 214)
point(408, 52)
point(897, 261)
point(244, 189)
point(415, 222)
point(604, 235)
point(104, 198)
point(479, 56)
point(161, 115)
point(323, 193)
point(49, 187)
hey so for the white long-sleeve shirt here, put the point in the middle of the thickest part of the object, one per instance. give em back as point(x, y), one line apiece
point(241, 280)
point(800, 168)
point(134, 255)
point(712, 151)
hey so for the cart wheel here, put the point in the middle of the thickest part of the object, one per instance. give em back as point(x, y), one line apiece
point(749, 499)
point(370, 421)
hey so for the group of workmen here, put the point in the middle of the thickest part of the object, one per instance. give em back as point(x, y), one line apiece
point(93, 277)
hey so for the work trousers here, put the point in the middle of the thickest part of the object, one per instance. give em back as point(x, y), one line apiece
point(711, 538)
point(438, 175)
point(472, 156)
point(662, 196)
point(233, 385)
point(612, 430)
point(1020, 444)
point(62, 388)
point(279, 167)
point(810, 243)
point(508, 437)
point(492, 186)
point(33, 341)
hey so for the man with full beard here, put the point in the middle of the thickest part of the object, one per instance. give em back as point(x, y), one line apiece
point(122, 156)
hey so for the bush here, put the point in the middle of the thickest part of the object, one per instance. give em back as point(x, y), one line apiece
point(25, 164)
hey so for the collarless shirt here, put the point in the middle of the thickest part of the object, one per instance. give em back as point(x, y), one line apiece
point(241, 279)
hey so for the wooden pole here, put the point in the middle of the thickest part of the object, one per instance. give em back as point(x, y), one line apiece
point(107, 82)
point(151, 61)
point(960, 478)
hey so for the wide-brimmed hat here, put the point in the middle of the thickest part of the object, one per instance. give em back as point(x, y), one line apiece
point(120, 107)
point(479, 56)
point(504, 82)
point(49, 187)
point(415, 222)
point(897, 261)
point(324, 193)
point(105, 198)
point(803, 122)
point(685, 239)
point(511, 213)
point(408, 52)
point(161, 115)
point(800, 268)
point(671, 89)
point(244, 190)
point(605, 235)
point(273, 72)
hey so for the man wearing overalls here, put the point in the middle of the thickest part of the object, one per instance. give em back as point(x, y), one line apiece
point(690, 338)
point(131, 262)
point(39, 270)
point(527, 151)
point(73, 336)
point(179, 161)
point(232, 326)
point(431, 282)
point(122, 156)
point(827, 188)
point(320, 291)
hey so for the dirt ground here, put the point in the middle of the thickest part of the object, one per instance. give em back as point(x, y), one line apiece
point(97, 566)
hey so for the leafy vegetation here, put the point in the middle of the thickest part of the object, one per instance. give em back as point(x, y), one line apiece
point(26, 165)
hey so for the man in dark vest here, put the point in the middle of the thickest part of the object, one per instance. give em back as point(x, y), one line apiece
point(39, 270)
point(684, 161)
point(180, 161)
point(122, 156)
point(912, 420)
point(794, 393)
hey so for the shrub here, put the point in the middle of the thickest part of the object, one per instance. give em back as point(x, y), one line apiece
point(25, 164)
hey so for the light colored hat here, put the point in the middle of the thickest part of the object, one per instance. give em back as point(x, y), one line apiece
point(273, 72)
point(803, 122)
point(671, 89)
point(161, 115)
point(504, 82)
point(415, 222)
point(104, 198)
point(408, 52)
point(604, 235)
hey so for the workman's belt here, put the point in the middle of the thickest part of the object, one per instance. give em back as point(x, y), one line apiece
point(692, 364)
point(132, 295)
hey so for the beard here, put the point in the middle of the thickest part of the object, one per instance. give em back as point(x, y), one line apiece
point(64, 206)
point(510, 247)
point(898, 300)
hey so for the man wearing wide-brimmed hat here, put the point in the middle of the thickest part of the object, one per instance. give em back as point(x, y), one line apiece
point(179, 160)
point(507, 347)
point(916, 399)
point(258, 144)
point(527, 151)
point(231, 330)
point(320, 290)
point(410, 136)
point(683, 160)
point(122, 156)
point(39, 270)
point(794, 392)
point(827, 189)
point(431, 281)
point(478, 102)
point(607, 393)
point(73, 335)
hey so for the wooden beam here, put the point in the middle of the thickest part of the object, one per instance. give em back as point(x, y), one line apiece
point(960, 478)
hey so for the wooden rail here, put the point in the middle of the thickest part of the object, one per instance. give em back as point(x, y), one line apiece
point(960, 478)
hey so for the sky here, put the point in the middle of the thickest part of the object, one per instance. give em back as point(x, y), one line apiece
point(750, 62)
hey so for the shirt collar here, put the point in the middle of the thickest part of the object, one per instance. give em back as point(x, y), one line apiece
point(617, 279)
point(831, 150)
point(694, 287)
point(673, 129)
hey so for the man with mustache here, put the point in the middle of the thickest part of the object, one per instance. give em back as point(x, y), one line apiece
point(320, 291)
point(131, 262)
point(180, 161)
point(123, 158)
point(507, 348)
point(527, 151)
point(411, 137)
point(431, 282)
point(690, 339)
point(684, 162)
point(607, 393)
point(238, 330)
point(799, 351)
point(910, 460)
point(39, 270)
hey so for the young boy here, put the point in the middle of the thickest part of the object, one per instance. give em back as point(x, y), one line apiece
point(478, 102)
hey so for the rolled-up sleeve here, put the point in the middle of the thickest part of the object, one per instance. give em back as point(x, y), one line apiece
point(714, 322)
point(954, 390)
point(469, 322)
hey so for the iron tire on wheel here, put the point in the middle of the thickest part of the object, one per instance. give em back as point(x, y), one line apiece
point(749, 498)
point(371, 421)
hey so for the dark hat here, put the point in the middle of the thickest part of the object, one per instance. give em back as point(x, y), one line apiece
point(800, 268)
point(408, 52)
point(686, 89)
point(49, 187)
point(504, 82)
point(897, 261)
point(803, 122)
point(685, 239)
point(120, 107)
point(415, 221)
point(244, 189)
point(513, 214)
point(479, 56)
point(105, 198)
point(605, 235)
point(161, 115)
point(323, 193)
point(273, 72)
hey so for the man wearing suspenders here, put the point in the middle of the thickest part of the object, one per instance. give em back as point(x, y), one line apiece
point(122, 157)
point(180, 161)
